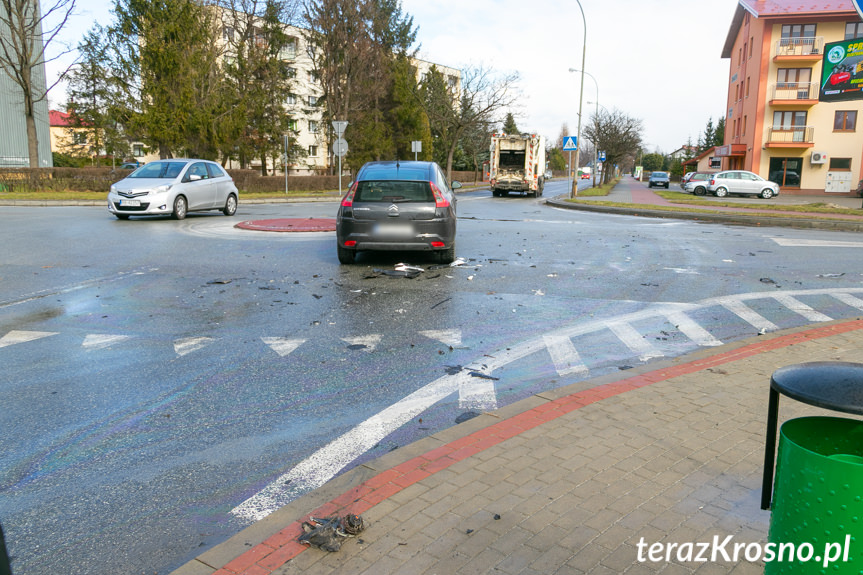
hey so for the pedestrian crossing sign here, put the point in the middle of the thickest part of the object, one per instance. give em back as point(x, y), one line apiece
point(570, 144)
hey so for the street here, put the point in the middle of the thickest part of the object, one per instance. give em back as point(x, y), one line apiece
point(167, 383)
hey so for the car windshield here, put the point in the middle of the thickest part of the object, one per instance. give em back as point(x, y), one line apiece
point(393, 191)
point(660, 174)
point(159, 170)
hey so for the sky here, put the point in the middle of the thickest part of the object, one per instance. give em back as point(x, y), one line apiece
point(655, 60)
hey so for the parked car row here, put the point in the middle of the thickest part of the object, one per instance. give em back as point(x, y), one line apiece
point(729, 182)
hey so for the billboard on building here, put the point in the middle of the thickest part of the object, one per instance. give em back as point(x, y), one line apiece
point(842, 71)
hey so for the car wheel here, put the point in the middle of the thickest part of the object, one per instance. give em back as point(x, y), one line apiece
point(720, 192)
point(230, 205)
point(346, 256)
point(447, 256)
point(699, 191)
point(180, 208)
point(122, 216)
point(766, 193)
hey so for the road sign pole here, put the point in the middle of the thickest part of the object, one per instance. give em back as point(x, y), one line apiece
point(340, 148)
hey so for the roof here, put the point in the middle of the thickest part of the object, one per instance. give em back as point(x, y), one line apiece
point(784, 8)
point(58, 118)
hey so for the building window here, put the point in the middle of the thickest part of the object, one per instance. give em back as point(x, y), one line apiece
point(845, 121)
point(744, 125)
point(79, 138)
point(786, 76)
point(313, 100)
point(785, 171)
point(228, 34)
point(313, 126)
point(840, 164)
point(747, 86)
point(138, 150)
point(289, 50)
point(853, 30)
point(715, 163)
point(292, 125)
point(798, 30)
point(292, 72)
point(291, 99)
point(313, 151)
point(751, 45)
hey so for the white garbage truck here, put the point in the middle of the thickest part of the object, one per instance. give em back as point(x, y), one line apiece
point(517, 164)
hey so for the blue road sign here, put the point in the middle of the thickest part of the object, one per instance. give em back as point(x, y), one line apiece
point(858, 4)
point(570, 144)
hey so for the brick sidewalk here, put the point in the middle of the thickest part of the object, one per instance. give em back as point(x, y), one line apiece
point(568, 481)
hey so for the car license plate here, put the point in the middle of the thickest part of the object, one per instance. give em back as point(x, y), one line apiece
point(131, 203)
point(394, 230)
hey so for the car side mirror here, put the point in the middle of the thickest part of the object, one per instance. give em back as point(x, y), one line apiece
point(194, 178)
point(455, 185)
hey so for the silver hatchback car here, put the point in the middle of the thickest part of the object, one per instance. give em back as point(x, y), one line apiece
point(741, 182)
point(175, 188)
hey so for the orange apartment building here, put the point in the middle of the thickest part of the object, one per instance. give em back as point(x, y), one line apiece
point(782, 120)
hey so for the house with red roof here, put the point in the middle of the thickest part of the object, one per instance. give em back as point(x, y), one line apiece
point(66, 138)
point(795, 90)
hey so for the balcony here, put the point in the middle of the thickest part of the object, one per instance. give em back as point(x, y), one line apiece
point(793, 137)
point(797, 94)
point(801, 50)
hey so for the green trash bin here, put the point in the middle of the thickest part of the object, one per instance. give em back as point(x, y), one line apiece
point(817, 512)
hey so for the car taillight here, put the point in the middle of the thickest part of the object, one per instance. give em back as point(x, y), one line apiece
point(712, 181)
point(348, 200)
point(439, 200)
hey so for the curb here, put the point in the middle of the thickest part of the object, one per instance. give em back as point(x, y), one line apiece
point(756, 220)
point(268, 545)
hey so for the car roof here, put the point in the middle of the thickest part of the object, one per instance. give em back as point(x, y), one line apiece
point(396, 170)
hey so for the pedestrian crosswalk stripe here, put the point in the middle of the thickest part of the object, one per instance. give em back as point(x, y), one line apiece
point(634, 341)
point(692, 330)
point(748, 315)
point(798, 306)
point(563, 354)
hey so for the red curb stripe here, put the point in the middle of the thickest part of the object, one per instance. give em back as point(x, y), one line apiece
point(267, 557)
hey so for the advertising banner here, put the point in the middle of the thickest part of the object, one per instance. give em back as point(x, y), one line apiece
point(842, 71)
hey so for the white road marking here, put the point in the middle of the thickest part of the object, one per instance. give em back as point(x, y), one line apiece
point(849, 300)
point(748, 315)
point(450, 337)
point(101, 341)
point(74, 287)
point(692, 330)
point(20, 336)
point(370, 342)
point(187, 345)
point(798, 306)
point(634, 341)
point(283, 345)
point(566, 359)
point(803, 243)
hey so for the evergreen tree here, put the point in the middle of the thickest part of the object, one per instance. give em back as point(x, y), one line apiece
point(509, 126)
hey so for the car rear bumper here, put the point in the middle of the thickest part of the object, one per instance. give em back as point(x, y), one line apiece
point(424, 236)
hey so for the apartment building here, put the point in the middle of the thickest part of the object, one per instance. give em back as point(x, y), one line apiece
point(794, 94)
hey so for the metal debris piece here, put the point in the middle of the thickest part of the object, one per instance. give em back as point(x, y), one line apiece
point(330, 532)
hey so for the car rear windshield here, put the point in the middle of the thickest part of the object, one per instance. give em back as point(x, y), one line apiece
point(393, 191)
point(159, 170)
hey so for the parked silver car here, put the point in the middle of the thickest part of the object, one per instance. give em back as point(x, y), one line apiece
point(174, 187)
point(696, 182)
point(741, 182)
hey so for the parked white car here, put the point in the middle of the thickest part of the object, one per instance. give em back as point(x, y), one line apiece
point(741, 182)
point(175, 188)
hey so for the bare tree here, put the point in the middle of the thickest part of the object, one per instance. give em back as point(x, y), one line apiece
point(481, 98)
point(24, 37)
point(615, 133)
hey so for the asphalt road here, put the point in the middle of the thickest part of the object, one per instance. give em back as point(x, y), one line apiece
point(166, 383)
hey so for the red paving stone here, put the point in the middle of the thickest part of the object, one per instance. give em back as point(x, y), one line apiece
point(290, 225)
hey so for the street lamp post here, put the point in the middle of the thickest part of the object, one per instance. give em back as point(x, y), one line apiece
point(596, 114)
point(574, 191)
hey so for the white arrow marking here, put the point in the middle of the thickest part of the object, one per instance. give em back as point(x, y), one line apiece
point(692, 330)
point(634, 341)
point(370, 341)
point(101, 341)
point(282, 345)
point(16, 336)
point(566, 359)
point(189, 344)
point(451, 337)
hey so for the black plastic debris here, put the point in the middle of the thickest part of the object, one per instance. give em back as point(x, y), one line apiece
point(483, 375)
point(330, 532)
